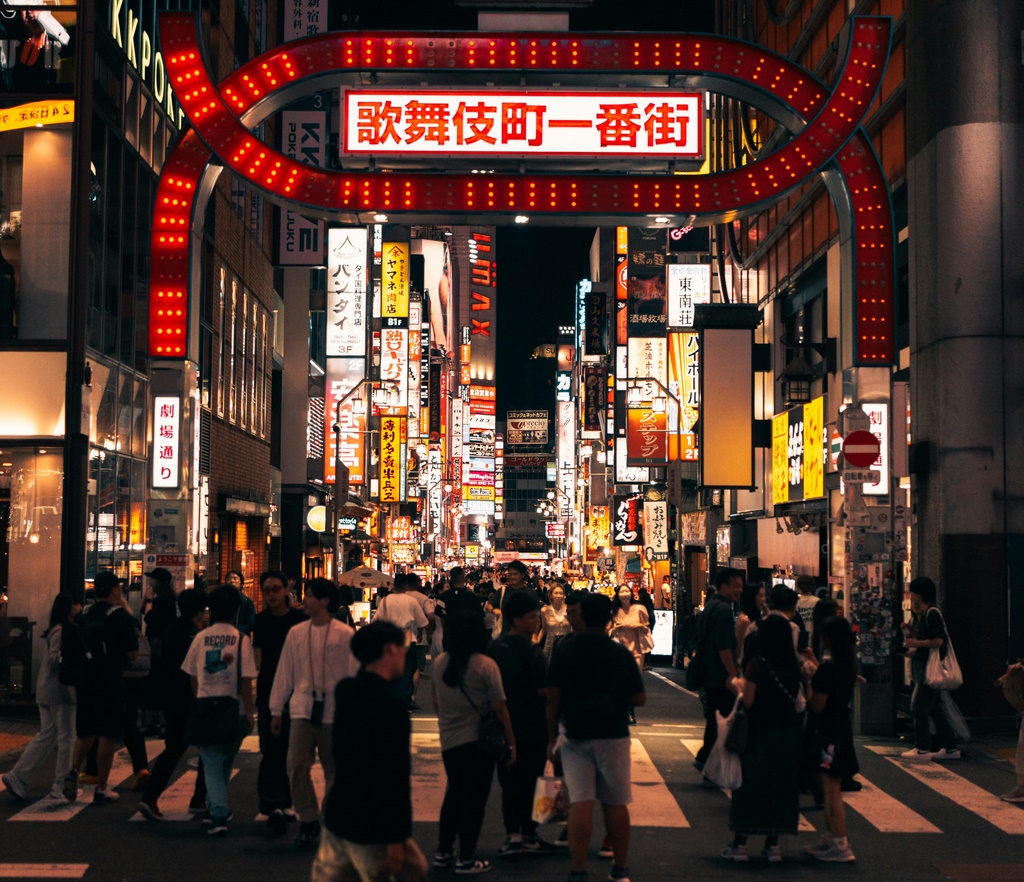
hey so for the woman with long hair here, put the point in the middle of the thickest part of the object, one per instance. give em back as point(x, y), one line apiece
point(768, 801)
point(56, 708)
point(753, 607)
point(554, 620)
point(831, 694)
point(466, 685)
point(631, 626)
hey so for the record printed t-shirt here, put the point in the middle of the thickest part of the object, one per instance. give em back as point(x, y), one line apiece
point(213, 660)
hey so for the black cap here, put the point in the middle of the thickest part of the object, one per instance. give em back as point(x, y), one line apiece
point(106, 581)
point(160, 574)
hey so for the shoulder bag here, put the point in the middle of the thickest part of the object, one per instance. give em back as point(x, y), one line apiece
point(491, 731)
point(214, 719)
point(939, 672)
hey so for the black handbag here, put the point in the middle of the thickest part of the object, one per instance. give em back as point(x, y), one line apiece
point(215, 719)
point(490, 732)
point(738, 737)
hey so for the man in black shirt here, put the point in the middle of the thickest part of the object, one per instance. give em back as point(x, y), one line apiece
point(515, 582)
point(524, 678)
point(268, 635)
point(592, 683)
point(456, 599)
point(368, 813)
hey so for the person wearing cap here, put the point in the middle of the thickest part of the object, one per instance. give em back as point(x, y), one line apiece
point(316, 656)
point(111, 638)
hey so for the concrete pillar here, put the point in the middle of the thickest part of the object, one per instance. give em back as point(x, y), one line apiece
point(965, 150)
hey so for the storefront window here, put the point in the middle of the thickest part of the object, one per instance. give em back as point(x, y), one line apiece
point(40, 58)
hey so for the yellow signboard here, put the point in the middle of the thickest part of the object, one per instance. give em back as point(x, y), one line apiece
point(392, 464)
point(780, 458)
point(395, 281)
point(814, 449)
point(37, 114)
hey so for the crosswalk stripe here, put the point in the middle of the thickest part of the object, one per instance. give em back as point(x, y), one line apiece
point(693, 746)
point(985, 805)
point(174, 800)
point(653, 803)
point(43, 871)
point(47, 809)
point(885, 813)
point(428, 777)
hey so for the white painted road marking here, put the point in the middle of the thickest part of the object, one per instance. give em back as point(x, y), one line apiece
point(47, 809)
point(428, 777)
point(42, 871)
point(653, 803)
point(884, 813)
point(174, 800)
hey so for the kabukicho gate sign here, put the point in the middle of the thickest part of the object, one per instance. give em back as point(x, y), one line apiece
point(825, 124)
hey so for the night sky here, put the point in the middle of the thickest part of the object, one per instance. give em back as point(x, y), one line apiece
point(538, 269)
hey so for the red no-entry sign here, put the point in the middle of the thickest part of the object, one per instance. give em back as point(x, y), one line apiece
point(860, 449)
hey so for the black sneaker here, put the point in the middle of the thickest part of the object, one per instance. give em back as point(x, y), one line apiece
point(208, 818)
point(71, 785)
point(218, 827)
point(472, 867)
point(309, 835)
point(443, 859)
point(511, 848)
point(535, 845)
point(277, 822)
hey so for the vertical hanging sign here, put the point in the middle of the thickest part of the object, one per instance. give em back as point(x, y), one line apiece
point(346, 292)
point(166, 441)
point(395, 282)
point(392, 459)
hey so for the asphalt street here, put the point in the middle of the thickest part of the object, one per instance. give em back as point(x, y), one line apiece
point(910, 822)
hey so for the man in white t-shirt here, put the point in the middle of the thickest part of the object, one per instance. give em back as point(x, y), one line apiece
point(419, 649)
point(315, 658)
point(220, 663)
point(805, 604)
point(402, 609)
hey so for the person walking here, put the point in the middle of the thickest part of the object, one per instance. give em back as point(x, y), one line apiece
point(555, 622)
point(269, 631)
point(768, 801)
point(631, 626)
point(406, 613)
point(56, 703)
point(466, 684)
point(368, 811)
point(753, 607)
point(109, 636)
point(927, 634)
point(830, 695)
point(716, 655)
point(174, 686)
point(524, 679)
point(458, 598)
point(316, 656)
point(516, 579)
point(414, 589)
point(221, 665)
point(593, 681)
point(806, 586)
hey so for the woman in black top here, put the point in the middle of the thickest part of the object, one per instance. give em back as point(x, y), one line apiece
point(831, 693)
point(768, 801)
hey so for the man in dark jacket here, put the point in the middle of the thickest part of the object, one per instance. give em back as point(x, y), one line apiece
point(176, 690)
point(367, 828)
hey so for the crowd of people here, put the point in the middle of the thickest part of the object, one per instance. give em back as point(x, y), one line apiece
point(527, 677)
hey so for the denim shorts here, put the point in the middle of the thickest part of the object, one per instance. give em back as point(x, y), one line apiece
point(597, 769)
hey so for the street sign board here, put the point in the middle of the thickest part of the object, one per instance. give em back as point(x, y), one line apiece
point(860, 476)
point(860, 450)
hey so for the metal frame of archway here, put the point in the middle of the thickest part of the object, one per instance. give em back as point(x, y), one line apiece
point(827, 139)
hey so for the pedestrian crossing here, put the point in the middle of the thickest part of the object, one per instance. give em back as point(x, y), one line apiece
point(891, 801)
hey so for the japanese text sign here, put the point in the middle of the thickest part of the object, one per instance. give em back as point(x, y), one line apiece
point(392, 458)
point(688, 285)
point(166, 440)
point(395, 281)
point(346, 291)
point(546, 122)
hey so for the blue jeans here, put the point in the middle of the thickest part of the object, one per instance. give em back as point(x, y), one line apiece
point(217, 762)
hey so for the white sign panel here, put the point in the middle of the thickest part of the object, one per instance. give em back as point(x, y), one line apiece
point(303, 18)
point(878, 425)
point(627, 474)
point(655, 530)
point(304, 138)
point(648, 357)
point(566, 457)
point(688, 284)
point(166, 440)
point(346, 292)
point(514, 123)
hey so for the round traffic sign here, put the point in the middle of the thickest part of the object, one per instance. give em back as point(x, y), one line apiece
point(860, 449)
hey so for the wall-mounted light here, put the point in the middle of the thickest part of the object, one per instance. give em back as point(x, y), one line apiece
point(522, 219)
point(381, 218)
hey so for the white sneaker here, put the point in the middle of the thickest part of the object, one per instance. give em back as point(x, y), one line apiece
point(916, 755)
point(13, 783)
point(837, 855)
point(735, 853)
point(944, 755)
point(772, 853)
point(818, 848)
point(1015, 795)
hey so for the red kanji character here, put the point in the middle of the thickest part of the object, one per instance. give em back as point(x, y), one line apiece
point(618, 125)
point(666, 124)
point(427, 122)
point(515, 123)
point(474, 123)
point(376, 122)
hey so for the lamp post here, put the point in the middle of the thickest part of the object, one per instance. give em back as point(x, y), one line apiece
point(339, 498)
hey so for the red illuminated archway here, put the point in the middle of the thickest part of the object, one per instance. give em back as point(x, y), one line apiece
point(826, 126)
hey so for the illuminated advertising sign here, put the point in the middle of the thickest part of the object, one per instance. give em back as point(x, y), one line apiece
point(394, 366)
point(600, 527)
point(482, 283)
point(415, 367)
point(342, 376)
point(37, 114)
point(646, 437)
point(648, 357)
point(878, 425)
point(596, 319)
point(166, 441)
point(655, 530)
point(554, 530)
point(563, 386)
point(566, 457)
point(526, 427)
point(684, 384)
point(392, 459)
point(438, 288)
point(594, 394)
point(395, 281)
point(517, 123)
point(304, 137)
point(688, 284)
point(626, 473)
point(302, 18)
point(346, 292)
point(646, 307)
point(689, 240)
point(626, 527)
point(798, 453)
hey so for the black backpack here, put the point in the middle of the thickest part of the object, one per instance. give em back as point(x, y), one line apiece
point(82, 646)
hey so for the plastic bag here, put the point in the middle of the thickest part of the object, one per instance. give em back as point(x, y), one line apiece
point(550, 799)
point(956, 719)
point(943, 673)
point(723, 767)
